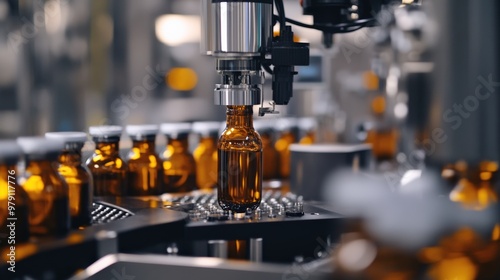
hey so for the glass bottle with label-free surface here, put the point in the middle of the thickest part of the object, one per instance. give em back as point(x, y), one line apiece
point(109, 170)
point(239, 184)
point(47, 190)
point(145, 166)
point(76, 175)
point(288, 136)
point(205, 154)
point(13, 195)
point(179, 167)
point(270, 161)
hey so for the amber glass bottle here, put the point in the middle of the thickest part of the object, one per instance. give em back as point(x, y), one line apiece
point(384, 142)
point(179, 167)
point(145, 166)
point(109, 171)
point(270, 155)
point(288, 131)
point(12, 195)
point(47, 190)
point(205, 154)
point(384, 136)
point(76, 175)
point(239, 184)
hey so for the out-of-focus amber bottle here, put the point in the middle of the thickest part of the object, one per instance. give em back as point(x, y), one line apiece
point(288, 136)
point(466, 254)
point(179, 167)
point(270, 155)
point(76, 175)
point(239, 184)
point(384, 143)
point(145, 166)
point(109, 171)
point(308, 128)
point(205, 154)
point(383, 137)
point(47, 190)
point(10, 153)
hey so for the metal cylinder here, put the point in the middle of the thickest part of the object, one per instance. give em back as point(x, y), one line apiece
point(236, 95)
point(463, 118)
point(236, 29)
point(217, 248)
point(256, 249)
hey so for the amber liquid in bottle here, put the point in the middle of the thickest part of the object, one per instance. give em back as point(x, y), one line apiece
point(205, 156)
point(384, 143)
point(239, 183)
point(145, 168)
point(179, 173)
point(308, 139)
point(109, 171)
point(9, 187)
point(283, 147)
point(49, 200)
point(79, 180)
point(270, 157)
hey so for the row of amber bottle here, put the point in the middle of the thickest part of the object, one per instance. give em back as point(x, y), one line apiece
point(146, 172)
point(54, 189)
point(33, 194)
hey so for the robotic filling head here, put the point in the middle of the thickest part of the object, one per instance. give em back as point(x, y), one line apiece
point(239, 35)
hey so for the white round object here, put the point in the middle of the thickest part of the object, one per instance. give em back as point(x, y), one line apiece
point(175, 128)
point(206, 127)
point(142, 130)
point(68, 136)
point(9, 149)
point(262, 124)
point(284, 124)
point(40, 145)
point(105, 130)
point(307, 124)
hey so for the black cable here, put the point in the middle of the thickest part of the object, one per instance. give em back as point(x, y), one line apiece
point(338, 28)
point(281, 12)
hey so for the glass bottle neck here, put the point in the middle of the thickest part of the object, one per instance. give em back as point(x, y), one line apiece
point(144, 146)
point(39, 167)
point(179, 145)
point(70, 157)
point(239, 116)
point(107, 148)
point(207, 141)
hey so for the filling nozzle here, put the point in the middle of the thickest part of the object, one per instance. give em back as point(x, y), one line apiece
point(241, 82)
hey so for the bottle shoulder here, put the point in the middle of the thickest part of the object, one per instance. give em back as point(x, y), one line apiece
point(98, 161)
point(240, 138)
point(80, 171)
point(45, 182)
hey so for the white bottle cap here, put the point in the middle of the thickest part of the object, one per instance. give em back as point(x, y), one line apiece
point(175, 128)
point(206, 128)
point(10, 151)
point(68, 136)
point(40, 145)
point(105, 131)
point(308, 124)
point(284, 124)
point(261, 124)
point(142, 130)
